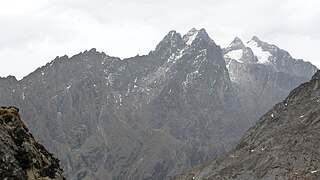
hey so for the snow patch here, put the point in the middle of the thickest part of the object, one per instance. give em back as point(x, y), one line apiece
point(174, 57)
point(191, 36)
point(262, 56)
point(235, 54)
point(272, 115)
point(313, 172)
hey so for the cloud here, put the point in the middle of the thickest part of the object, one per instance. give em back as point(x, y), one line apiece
point(38, 30)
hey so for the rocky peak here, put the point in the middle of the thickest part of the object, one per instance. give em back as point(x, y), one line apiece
point(203, 33)
point(21, 156)
point(239, 52)
point(100, 109)
point(190, 36)
point(256, 39)
point(196, 35)
point(259, 43)
point(236, 44)
point(172, 39)
point(258, 52)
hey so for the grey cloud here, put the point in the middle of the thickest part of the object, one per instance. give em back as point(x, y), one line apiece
point(129, 27)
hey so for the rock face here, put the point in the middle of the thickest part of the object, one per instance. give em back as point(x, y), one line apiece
point(21, 157)
point(264, 73)
point(145, 117)
point(284, 144)
point(257, 51)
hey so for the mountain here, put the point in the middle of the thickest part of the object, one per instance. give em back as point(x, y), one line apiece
point(284, 143)
point(144, 117)
point(21, 156)
point(257, 51)
point(263, 73)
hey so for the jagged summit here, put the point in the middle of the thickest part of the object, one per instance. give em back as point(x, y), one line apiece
point(172, 35)
point(260, 52)
point(172, 39)
point(194, 34)
point(145, 116)
point(238, 51)
point(255, 38)
point(190, 36)
point(236, 43)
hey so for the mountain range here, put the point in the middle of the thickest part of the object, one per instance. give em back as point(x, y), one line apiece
point(156, 115)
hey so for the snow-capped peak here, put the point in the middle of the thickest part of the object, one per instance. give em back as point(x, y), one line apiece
point(190, 36)
point(262, 56)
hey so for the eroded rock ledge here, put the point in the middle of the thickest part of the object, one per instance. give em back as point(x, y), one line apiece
point(21, 156)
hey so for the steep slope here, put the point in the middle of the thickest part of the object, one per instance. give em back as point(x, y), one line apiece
point(105, 114)
point(284, 144)
point(102, 115)
point(21, 156)
point(263, 73)
point(145, 117)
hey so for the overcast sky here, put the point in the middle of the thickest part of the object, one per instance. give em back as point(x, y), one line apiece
point(34, 32)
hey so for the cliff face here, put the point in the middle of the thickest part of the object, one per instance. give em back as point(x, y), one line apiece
point(21, 157)
point(284, 144)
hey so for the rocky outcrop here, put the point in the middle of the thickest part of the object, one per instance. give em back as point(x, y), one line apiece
point(21, 156)
point(284, 144)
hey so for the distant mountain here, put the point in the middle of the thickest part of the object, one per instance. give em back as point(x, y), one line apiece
point(264, 73)
point(21, 156)
point(284, 144)
point(257, 51)
point(145, 117)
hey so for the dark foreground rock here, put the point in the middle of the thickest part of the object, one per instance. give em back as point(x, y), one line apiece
point(21, 157)
point(284, 144)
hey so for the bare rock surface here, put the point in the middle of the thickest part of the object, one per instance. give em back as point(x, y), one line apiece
point(21, 156)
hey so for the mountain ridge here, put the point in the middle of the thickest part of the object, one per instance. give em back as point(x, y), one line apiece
point(102, 115)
